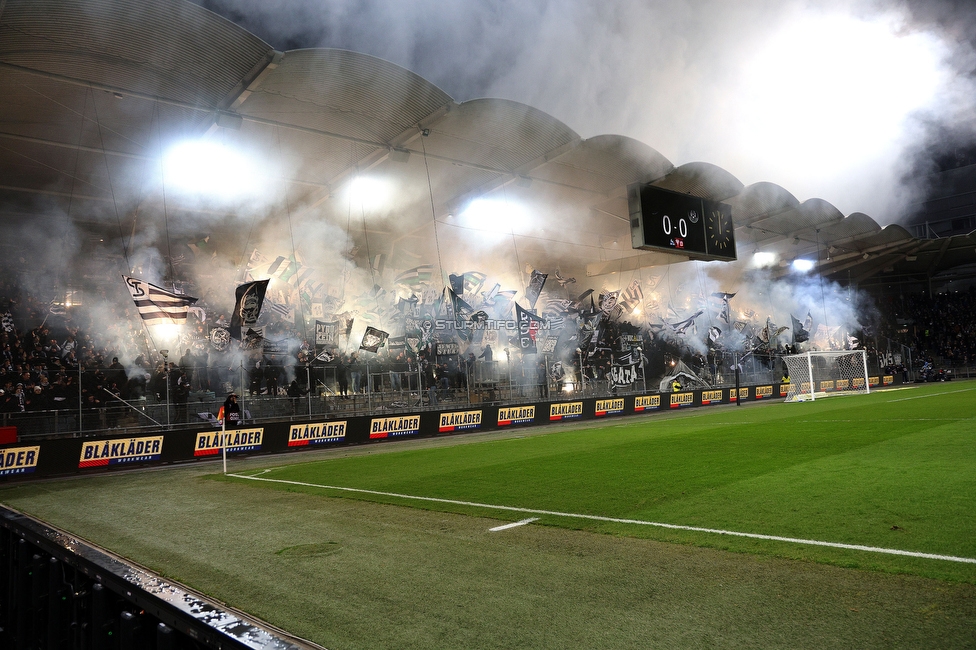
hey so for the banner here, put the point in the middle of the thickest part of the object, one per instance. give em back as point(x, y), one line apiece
point(326, 332)
point(250, 299)
point(528, 328)
point(624, 370)
point(447, 349)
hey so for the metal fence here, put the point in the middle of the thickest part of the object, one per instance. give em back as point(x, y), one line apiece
point(88, 409)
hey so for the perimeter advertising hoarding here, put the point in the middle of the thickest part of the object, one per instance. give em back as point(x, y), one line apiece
point(208, 443)
point(397, 425)
point(19, 460)
point(515, 415)
point(679, 400)
point(64, 456)
point(459, 421)
point(762, 392)
point(643, 403)
point(712, 397)
point(316, 433)
point(565, 410)
point(99, 453)
point(605, 407)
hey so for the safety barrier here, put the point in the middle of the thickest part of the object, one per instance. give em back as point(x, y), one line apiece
point(63, 456)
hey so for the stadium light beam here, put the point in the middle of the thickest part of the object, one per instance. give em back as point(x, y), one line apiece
point(369, 192)
point(494, 215)
point(211, 169)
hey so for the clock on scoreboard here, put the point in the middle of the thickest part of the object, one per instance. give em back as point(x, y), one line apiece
point(673, 222)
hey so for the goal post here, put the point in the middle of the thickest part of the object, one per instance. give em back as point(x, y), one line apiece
point(814, 375)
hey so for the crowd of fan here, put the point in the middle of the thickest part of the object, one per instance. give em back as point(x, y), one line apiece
point(940, 329)
point(39, 369)
point(39, 366)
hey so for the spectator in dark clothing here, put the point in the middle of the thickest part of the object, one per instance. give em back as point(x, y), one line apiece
point(342, 378)
point(295, 393)
point(272, 371)
point(230, 412)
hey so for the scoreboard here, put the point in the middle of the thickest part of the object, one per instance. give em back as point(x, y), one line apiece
point(672, 222)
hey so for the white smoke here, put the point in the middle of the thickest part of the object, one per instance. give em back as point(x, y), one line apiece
point(829, 99)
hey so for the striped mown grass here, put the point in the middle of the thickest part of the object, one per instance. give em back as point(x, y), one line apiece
point(354, 573)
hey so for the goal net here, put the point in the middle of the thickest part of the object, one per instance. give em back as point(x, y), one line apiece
point(822, 374)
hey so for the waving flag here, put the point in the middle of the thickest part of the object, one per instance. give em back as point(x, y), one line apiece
point(250, 299)
point(373, 339)
point(536, 282)
point(415, 277)
point(158, 306)
point(528, 329)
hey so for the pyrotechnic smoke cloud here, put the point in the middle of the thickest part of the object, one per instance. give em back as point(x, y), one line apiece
point(828, 99)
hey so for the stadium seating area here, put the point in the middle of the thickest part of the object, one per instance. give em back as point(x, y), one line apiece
point(43, 347)
point(940, 329)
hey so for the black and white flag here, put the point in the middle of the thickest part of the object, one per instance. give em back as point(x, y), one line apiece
point(219, 338)
point(624, 370)
point(326, 333)
point(373, 339)
point(285, 312)
point(158, 306)
point(250, 299)
point(461, 309)
point(528, 329)
point(536, 282)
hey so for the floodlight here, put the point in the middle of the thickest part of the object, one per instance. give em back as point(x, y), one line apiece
point(369, 192)
point(802, 265)
point(211, 169)
point(763, 259)
point(494, 214)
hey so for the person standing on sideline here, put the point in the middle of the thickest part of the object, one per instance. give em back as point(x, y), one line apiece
point(230, 412)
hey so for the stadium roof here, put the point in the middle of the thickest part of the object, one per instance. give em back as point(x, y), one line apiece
point(93, 88)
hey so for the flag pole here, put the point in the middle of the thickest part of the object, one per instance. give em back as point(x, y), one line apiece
point(81, 405)
point(223, 439)
point(308, 385)
point(369, 393)
point(735, 361)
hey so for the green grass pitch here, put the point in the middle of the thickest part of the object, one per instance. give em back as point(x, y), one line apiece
point(894, 471)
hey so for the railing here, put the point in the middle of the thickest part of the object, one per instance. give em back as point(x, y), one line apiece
point(378, 389)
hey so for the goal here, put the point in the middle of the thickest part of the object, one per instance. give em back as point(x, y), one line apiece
point(822, 374)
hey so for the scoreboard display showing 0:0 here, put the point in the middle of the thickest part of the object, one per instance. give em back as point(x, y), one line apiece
point(688, 225)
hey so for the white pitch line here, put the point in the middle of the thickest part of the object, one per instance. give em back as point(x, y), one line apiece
point(616, 520)
point(513, 525)
point(948, 392)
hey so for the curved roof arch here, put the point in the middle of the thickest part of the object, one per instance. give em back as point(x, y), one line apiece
point(175, 50)
point(93, 89)
point(761, 200)
point(702, 179)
